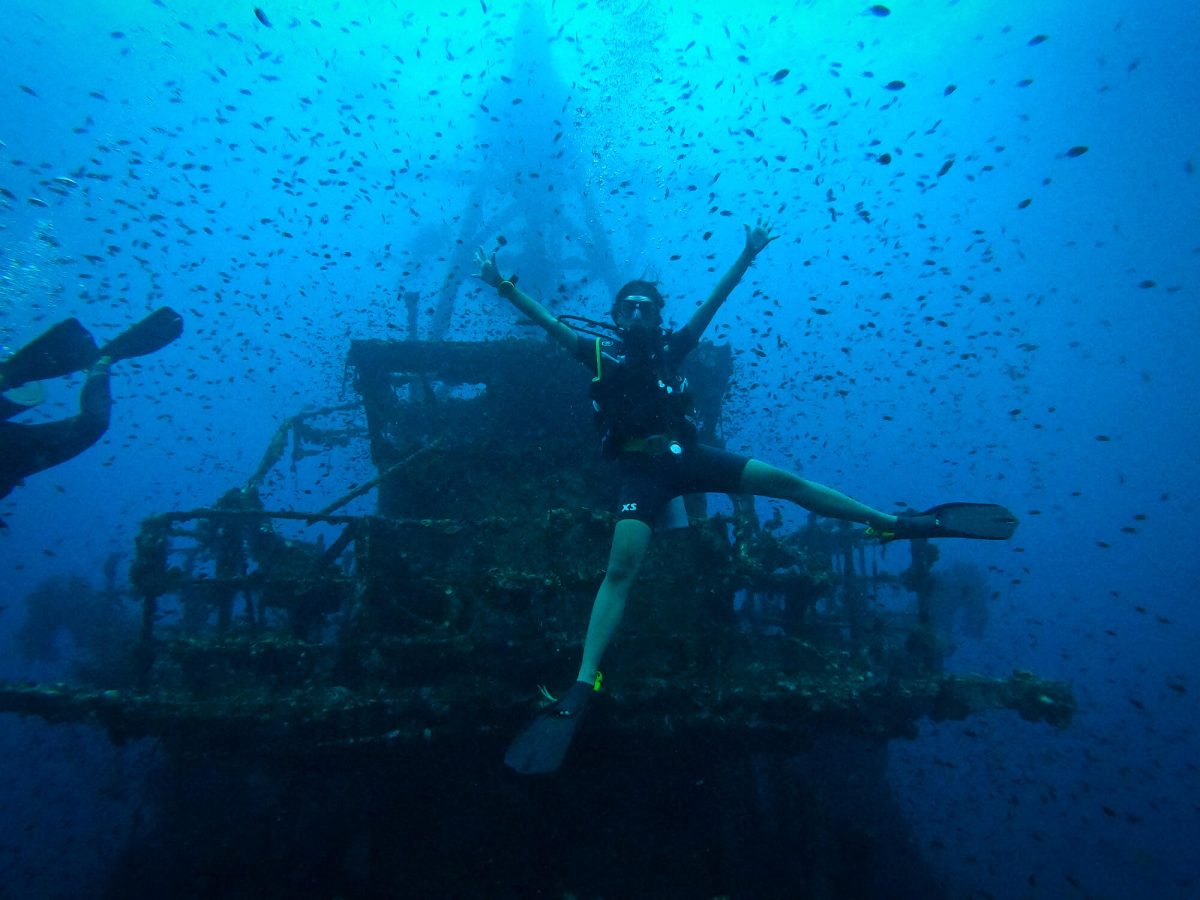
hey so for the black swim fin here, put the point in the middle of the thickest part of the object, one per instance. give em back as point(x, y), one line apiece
point(542, 746)
point(147, 336)
point(65, 348)
point(982, 521)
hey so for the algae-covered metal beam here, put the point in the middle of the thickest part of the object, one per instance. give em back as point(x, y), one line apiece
point(785, 715)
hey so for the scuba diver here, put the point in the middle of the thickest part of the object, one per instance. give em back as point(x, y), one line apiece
point(67, 347)
point(642, 409)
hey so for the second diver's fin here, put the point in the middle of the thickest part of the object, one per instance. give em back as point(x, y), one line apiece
point(982, 521)
point(64, 348)
point(985, 521)
point(541, 748)
point(147, 336)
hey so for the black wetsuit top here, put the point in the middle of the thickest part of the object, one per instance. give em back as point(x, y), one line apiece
point(641, 396)
point(646, 420)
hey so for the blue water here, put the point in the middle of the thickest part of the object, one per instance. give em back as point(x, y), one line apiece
point(927, 337)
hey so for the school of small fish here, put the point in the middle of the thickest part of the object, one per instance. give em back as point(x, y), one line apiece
point(285, 192)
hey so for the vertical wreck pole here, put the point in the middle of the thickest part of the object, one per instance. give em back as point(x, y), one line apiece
point(148, 575)
point(925, 648)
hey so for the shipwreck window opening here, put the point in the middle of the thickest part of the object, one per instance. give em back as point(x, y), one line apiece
point(418, 389)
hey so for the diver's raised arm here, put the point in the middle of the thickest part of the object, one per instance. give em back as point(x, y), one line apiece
point(489, 274)
point(757, 239)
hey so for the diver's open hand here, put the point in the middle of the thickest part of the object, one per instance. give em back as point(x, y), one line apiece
point(758, 237)
point(489, 272)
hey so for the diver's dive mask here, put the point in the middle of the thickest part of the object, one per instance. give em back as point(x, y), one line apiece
point(635, 308)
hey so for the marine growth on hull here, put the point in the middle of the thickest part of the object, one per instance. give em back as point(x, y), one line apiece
point(433, 621)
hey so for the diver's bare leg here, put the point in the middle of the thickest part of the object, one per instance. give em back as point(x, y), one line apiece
point(631, 538)
point(768, 481)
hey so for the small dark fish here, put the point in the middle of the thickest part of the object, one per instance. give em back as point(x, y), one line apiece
point(1077, 151)
point(27, 89)
point(262, 16)
point(501, 240)
point(950, 89)
point(945, 168)
point(1024, 203)
point(884, 159)
point(879, 10)
point(1148, 283)
point(780, 75)
point(894, 86)
point(1037, 39)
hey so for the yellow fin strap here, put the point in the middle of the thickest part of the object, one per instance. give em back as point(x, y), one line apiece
point(884, 536)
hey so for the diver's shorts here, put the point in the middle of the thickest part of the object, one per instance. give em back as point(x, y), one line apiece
point(648, 481)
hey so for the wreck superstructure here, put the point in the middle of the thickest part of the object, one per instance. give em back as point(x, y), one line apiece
point(416, 636)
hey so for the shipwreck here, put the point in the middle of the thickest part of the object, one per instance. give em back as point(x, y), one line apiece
point(334, 692)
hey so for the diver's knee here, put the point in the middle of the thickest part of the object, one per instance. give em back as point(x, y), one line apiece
point(621, 573)
point(628, 549)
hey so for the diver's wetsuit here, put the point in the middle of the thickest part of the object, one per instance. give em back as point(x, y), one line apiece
point(645, 415)
point(28, 449)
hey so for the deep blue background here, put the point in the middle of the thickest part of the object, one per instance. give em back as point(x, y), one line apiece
point(927, 338)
